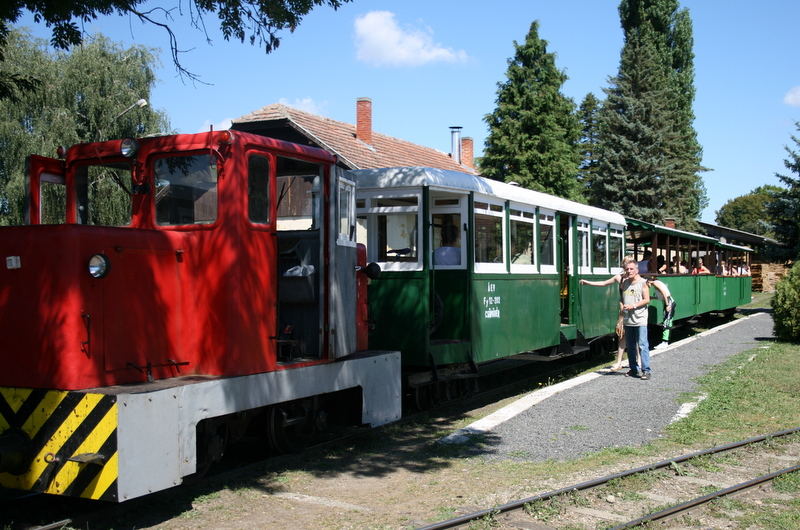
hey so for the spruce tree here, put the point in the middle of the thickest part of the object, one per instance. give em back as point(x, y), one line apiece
point(785, 208)
point(533, 131)
point(650, 100)
point(634, 128)
point(588, 116)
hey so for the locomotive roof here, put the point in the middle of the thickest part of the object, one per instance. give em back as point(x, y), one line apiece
point(414, 177)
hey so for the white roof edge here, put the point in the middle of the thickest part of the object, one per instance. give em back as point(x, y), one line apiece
point(409, 177)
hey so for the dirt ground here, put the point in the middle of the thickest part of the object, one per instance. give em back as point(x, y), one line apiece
point(397, 477)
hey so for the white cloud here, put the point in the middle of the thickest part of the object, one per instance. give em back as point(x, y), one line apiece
point(218, 126)
point(304, 104)
point(381, 42)
point(792, 97)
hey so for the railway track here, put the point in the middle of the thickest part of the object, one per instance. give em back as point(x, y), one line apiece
point(665, 490)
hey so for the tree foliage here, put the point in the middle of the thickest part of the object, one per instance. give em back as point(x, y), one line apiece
point(785, 208)
point(533, 131)
point(748, 212)
point(589, 116)
point(257, 21)
point(80, 96)
point(649, 154)
point(786, 305)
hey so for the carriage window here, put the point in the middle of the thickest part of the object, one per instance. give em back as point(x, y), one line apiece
point(186, 190)
point(397, 237)
point(104, 194)
point(298, 194)
point(522, 242)
point(583, 245)
point(258, 189)
point(599, 249)
point(488, 234)
point(52, 202)
point(615, 249)
point(388, 202)
point(547, 247)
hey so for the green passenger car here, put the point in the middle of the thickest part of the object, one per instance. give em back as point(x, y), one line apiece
point(475, 270)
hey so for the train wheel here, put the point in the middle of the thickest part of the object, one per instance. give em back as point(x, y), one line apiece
point(423, 396)
point(212, 440)
point(285, 425)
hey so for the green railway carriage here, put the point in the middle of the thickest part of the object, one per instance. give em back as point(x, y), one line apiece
point(475, 270)
point(695, 294)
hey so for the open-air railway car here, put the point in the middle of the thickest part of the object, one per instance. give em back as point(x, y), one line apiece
point(171, 294)
point(475, 270)
point(696, 294)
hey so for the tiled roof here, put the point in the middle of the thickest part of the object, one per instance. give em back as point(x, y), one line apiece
point(340, 139)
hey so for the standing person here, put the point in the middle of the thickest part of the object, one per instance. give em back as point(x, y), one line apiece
point(449, 253)
point(635, 297)
point(644, 265)
point(620, 329)
point(663, 294)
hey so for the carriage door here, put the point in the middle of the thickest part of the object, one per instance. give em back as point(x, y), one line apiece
point(565, 269)
point(46, 201)
point(448, 273)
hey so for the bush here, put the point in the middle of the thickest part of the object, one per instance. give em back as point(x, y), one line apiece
point(786, 305)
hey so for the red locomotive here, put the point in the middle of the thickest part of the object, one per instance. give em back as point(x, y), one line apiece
point(169, 293)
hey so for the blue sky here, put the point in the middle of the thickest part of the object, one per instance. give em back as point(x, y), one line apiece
point(429, 65)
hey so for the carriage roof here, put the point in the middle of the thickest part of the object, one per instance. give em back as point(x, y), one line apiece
point(414, 177)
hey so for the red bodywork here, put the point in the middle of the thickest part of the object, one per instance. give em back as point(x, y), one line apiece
point(176, 301)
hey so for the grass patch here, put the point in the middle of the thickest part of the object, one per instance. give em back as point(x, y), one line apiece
point(745, 397)
point(627, 488)
point(789, 483)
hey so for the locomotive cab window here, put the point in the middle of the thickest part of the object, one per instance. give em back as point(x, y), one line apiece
point(298, 194)
point(258, 189)
point(186, 190)
point(103, 194)
point(346, 213)
point(52, 200)
point(489, 237)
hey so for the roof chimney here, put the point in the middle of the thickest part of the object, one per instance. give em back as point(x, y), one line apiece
point(467, 155)
point(364, 120)
point(669, 222)
point(455, 142)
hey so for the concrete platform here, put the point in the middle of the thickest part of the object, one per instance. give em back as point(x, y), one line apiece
point(607, 409)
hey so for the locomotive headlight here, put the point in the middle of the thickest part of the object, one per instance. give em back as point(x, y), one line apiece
point(98, 266)
point(128, 147)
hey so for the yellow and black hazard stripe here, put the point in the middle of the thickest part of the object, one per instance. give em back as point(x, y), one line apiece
point(71, 441)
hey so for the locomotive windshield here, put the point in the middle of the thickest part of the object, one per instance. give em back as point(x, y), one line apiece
point(103, 194)
point(186, 190)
